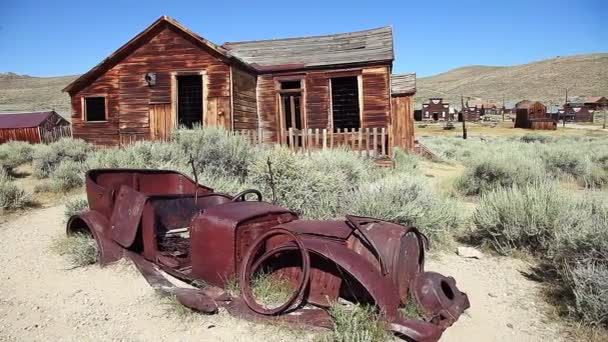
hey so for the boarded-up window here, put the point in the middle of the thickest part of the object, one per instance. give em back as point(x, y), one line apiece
point(345, 102)
point(95, 108)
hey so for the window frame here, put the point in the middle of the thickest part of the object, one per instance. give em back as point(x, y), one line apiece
point(84, 107)
point(343, 74)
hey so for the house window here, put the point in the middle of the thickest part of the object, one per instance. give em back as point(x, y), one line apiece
point(95, 109)
point(291, 103)
point(345, 102)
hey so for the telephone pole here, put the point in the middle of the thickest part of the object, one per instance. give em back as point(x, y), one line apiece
point(464, 118)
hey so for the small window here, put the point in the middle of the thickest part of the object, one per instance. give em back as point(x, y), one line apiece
point(95, 109)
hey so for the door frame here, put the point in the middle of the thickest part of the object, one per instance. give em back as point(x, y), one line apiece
point(280, 115)
point(175, 95)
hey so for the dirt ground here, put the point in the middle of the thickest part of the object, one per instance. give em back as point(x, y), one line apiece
point(42, 298)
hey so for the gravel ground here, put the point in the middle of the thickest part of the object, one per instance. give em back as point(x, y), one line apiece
point(42, 298)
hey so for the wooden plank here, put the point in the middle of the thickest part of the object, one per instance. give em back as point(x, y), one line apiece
point(375, 137)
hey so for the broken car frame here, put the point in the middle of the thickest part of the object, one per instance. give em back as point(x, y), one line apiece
point(168, 224)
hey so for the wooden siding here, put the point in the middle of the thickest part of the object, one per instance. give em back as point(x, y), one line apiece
point(244, 103)
point(317, 100)
point(29, 134)
point(129, 97)
point(402, 123)
point(376, 97)
point(267, 108)
point(374, 93)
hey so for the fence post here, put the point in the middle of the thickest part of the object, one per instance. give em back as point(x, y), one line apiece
point(324, 138)
point(375, 141)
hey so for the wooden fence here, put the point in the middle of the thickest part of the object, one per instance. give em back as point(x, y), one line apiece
point(54, 134)
point(371, 142)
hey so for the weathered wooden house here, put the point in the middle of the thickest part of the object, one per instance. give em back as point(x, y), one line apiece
point(533, 115)
point(436, 110)
point(590, 102)
point(33, 127)
point(469, 113)
point(168, 76)
point(576, 114)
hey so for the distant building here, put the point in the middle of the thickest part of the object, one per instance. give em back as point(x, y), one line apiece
point(533, 115)
point(590, 102)
point(436, 110)
point(576, 114)
point(470, 114)
point(33, 127)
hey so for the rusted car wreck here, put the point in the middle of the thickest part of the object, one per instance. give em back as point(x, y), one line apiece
point(169, 224)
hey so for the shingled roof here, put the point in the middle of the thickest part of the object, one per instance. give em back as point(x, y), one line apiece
point(314, 51)
point(402, 84)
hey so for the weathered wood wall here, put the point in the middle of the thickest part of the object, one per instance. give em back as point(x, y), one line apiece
point(29, 134)
point(402, 123)
point(375, 96)
point(129, 97)
point(244, 103)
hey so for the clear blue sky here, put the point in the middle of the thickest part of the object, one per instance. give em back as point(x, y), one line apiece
point(51, 38)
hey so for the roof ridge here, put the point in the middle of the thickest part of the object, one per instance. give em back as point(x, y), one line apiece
point(305, 37)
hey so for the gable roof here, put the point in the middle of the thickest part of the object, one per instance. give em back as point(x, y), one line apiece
point(23, 120)
point(373, 45)
point(402, 84)
point(147, 34)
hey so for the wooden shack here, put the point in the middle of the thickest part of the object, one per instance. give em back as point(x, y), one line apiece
point(168, 76)
point(33, 127)
point(403, 88)
point(533, 115)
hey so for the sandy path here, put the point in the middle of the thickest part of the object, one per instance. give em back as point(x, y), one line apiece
point(40, 299)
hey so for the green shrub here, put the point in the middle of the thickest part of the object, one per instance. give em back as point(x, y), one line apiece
point(567, 161)
point(405, 162)
point(15, 153)
point(312, 190)
point(75, 206)
point(525, 217)
point(215, 151)
point(568, 233)
point(80, 249)
point(67, 176)
point(11, 196)
point(535, 137)
point(407, 200)
point(490, 171)
point(356, 323)
point(591, 292)
point(46, 158)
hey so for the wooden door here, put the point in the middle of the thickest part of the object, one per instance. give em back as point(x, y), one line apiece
point(161, 123)
point(402, 123)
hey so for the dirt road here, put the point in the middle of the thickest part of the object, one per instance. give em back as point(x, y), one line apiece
point(42, 299)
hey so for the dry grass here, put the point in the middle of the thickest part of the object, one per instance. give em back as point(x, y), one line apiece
point(503, 129)
point(543, 80)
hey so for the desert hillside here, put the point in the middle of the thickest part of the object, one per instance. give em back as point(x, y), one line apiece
point(24, 93)
point(544, 80)
point(547, 80)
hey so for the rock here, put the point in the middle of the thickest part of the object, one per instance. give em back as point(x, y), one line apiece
point(469, 252)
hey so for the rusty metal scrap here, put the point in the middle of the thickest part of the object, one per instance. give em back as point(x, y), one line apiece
point(163, 220)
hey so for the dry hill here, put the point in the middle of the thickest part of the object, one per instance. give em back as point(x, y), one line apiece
point(24, 93)
point(547, 80)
